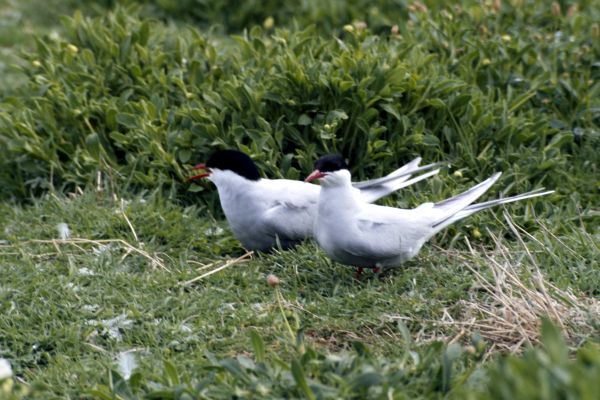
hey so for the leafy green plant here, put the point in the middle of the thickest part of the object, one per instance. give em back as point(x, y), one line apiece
point(311, 374)
point(548, 372)
point(233, 17)
point(136, 101)
point(434, 371)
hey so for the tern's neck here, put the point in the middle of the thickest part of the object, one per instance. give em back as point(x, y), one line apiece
point(337, 198)
point(232, 186)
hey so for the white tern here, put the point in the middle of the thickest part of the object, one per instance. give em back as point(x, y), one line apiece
point(356, 233)
point(267, 213)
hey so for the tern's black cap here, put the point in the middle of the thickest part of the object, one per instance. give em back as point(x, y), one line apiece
point(235, 161)
point(331, 163)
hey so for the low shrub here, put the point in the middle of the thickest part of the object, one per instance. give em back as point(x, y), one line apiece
point(136, 101)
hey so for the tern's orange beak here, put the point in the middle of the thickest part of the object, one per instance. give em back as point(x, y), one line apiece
point(199, 176)
point(316, 174)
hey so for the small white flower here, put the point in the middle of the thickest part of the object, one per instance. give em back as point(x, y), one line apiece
point(214, 231)
point(103, 248)
point(114, 326)
point(63, 231)
point(85, 272)
point(226, 307)
point(72, 286)
point(5, 369)
point(127, 363)
point(120, 321)
point(90, 307)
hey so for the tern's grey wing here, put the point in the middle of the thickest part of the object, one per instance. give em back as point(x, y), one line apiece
point(374, 234)
point(290, 221)
point(374, 189)
point(473, 208)
point(401, 174)
point(373, 193)
point(384, 233)
point(376, 243)
point(291, 211)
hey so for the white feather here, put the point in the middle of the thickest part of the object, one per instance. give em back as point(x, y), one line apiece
point(5, 369)
point(127, 363)
point(63, 231)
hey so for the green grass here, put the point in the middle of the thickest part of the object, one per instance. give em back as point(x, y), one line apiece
point(123, 115)
point(71, 309)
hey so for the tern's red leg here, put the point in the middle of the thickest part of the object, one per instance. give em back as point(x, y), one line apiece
point(359, 271)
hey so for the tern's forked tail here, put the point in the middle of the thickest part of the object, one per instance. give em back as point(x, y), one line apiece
point(473, 208)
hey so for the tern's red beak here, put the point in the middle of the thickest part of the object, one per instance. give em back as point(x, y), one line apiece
point(316, 174)
point(199, 176)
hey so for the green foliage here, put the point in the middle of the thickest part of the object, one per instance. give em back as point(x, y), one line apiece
point(71, 309)
point(70, 128)
point(24, 19)
point(436, 371)
point(548, 372)
point(138, 100)
point(232, 16)
point(432, 372)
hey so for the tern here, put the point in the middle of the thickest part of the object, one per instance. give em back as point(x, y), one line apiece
point(269, 213)
point(356, 233)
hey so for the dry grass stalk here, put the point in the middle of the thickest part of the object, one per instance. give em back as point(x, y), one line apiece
point(202, 265)
point(154, 260)
point(131, 227)
point(229, 263)
point(509, 316)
